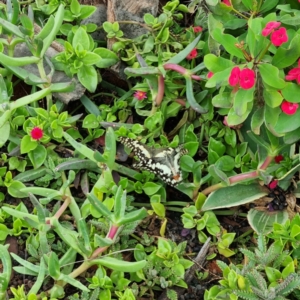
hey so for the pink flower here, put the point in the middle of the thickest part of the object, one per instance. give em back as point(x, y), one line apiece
point(211, 74)
point(289, 108)
point(140, 95)
point(197, 29)
point(247, 79)
point(193, 54)
point(278, 37)
point(270, 27)
point(227, 2)
point(234, 77)
point(278, 158)
point(294, 74)
point(36, 133)
point(272, 185)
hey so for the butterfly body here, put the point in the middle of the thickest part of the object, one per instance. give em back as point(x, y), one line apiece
point(163, 162)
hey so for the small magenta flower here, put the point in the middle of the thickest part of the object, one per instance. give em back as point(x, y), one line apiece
point(36, 133)
point(278, 158)
point(140, 95)
point(294, 74)
point(272, 185)
point(278, 37)
point(289, 108)
point(226, 2)
point(210, 74)
point(192, 54)
point(234, 77)
point(247, 79)
point(197, 29)
point(270, 27)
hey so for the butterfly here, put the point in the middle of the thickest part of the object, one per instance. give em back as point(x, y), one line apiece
point(163, 162)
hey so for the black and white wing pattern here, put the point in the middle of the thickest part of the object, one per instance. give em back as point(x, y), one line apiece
point(163, 162)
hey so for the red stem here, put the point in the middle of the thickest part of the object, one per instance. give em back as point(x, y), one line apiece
point(181, 70)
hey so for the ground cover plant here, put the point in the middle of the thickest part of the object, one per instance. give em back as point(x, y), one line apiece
point(113, 196)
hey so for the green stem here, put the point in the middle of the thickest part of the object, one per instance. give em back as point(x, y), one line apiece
point(73, 205)
point(43, 76)
point(262, 54)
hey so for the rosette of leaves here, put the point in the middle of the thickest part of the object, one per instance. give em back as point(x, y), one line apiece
point(81, 58)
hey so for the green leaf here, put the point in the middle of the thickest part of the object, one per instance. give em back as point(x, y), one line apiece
point(270, 75)
point(257, 120)
point(225, 163)
point(287, 123)
point(18, 61)
point(27, 144)
point(87, 75)
point(291, 92)
point(268, 5)
point(81, 38)
point(234, 119)
point(254, 39)
point(234, 195)
point(191, 99)
point(46, 30)
point(291, 19)
point(120, 204)
point(262, 221)
point(249, 4)
point(108, 58)
point(286, 57)
point(6, 268)
point(273, 98)
point(99, 206)
point(183, 54)
point(11, 28)
point(228, 42)
point(120, 265)
point(75, 7)
point(151, 188)
point(241, 100)
point(86, 11)
point(4, 133)
point(84, 150)
point(53, 266)
point(107, 26)
point(58, 19)
point(216, 63)
point(110, 148)
point(14, 189)
point(159, 209)
point(90, 59)
point(37, 156)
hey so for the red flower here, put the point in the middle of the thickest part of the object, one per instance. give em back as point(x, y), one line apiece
point(36, 133)
point(193, 54)
point(278, 158)
point(270, 27)
point(289, 108)
point(234, 77)
point(211, 74)
point(227, 2)
point(247, 79)
point(294, 74)
point(197, 29)
point(140, 95)
point(278, 37)
point(272, 185)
